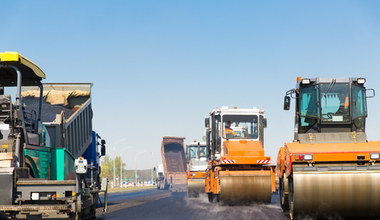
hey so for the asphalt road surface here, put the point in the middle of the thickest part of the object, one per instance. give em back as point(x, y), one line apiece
point(158, 204)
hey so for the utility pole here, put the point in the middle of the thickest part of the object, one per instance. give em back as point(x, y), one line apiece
point(114, 174)
point(121, 174)
point(135, 176)
point(151, 176)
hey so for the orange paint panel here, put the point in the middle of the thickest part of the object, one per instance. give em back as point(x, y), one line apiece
point(333, 151)
point(198, 175)
point(273, 175)
point(196, 180)
point(246, 160)
point(209, 179)
point(212, 183)
point(245, 173)
point(280, 162)
point(330, 152)
point(242, 148)
point(216, 186)
point(296, 147)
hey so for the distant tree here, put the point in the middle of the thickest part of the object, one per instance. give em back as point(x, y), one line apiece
point(108, 166)
point(117, 166)
point(128, 175)
point(143, 175)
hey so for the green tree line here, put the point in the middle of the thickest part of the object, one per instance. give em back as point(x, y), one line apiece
point(127, 175)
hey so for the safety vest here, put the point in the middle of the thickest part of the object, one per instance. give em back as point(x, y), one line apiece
point(230, 131)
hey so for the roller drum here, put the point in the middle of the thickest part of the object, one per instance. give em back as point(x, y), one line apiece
point(195, 187)
point(245, 189)
point(341, 194)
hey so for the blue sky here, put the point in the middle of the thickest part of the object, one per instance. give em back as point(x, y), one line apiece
point(159, 67)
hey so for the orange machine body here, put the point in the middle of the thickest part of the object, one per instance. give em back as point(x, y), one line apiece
point(238, 170)
point(325, 152)
point(196, 175)
point(239, 158)
point(330, 169)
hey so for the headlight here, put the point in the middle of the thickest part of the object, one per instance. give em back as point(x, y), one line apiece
point(361, 81)
point(308, 157)
point(35, 196)
point(374, 156)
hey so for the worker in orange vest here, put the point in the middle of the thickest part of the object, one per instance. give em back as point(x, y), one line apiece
point(228, 129)
point(344, 105)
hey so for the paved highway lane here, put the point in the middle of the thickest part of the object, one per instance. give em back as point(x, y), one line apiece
point(114, 197)
point(154, 204)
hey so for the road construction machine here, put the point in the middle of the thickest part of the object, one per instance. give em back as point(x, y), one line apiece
point(330, 169)
point(238, 171)
point(49, 159)
point(196, 158)
point(174, 161)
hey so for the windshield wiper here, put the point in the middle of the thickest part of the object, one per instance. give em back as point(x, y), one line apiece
point(333, 81)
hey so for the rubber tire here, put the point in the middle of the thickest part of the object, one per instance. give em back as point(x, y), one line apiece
point(93, 212)
point(284, 200)
point(292, 213)
point(210, 197)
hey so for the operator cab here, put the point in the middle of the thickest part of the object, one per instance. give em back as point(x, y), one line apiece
point(232, 124)
point(329, 105)
point(240, 127)
point(192, 151)
point(17, 73)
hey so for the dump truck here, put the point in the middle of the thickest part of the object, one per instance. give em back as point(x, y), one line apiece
point(160, 180)
point(174, 161)
point(49, 160)
point(330, 169)
point(238, 172)
point(196, 158)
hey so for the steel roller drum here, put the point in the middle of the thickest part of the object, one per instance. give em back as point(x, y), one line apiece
point(337, 193)
point(245, 189)
point(195, 187)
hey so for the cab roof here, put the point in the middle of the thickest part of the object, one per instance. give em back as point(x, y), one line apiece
point(319, 80)
point(201, 143)
point(31, 73)
point(237, 111)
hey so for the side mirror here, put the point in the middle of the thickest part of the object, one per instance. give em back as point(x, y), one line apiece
point(207, 122)
point(265, 122)
point(368, 93)
point(103, 150)
point(286, 102)
point(103, 147)
point(154, 169)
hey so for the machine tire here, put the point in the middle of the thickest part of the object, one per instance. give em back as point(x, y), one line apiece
point(210, 197)
point(284, 200)
point(217, 197)
point(93, 206)
point(292, 213)
point(3, 216)
point(93, 212)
